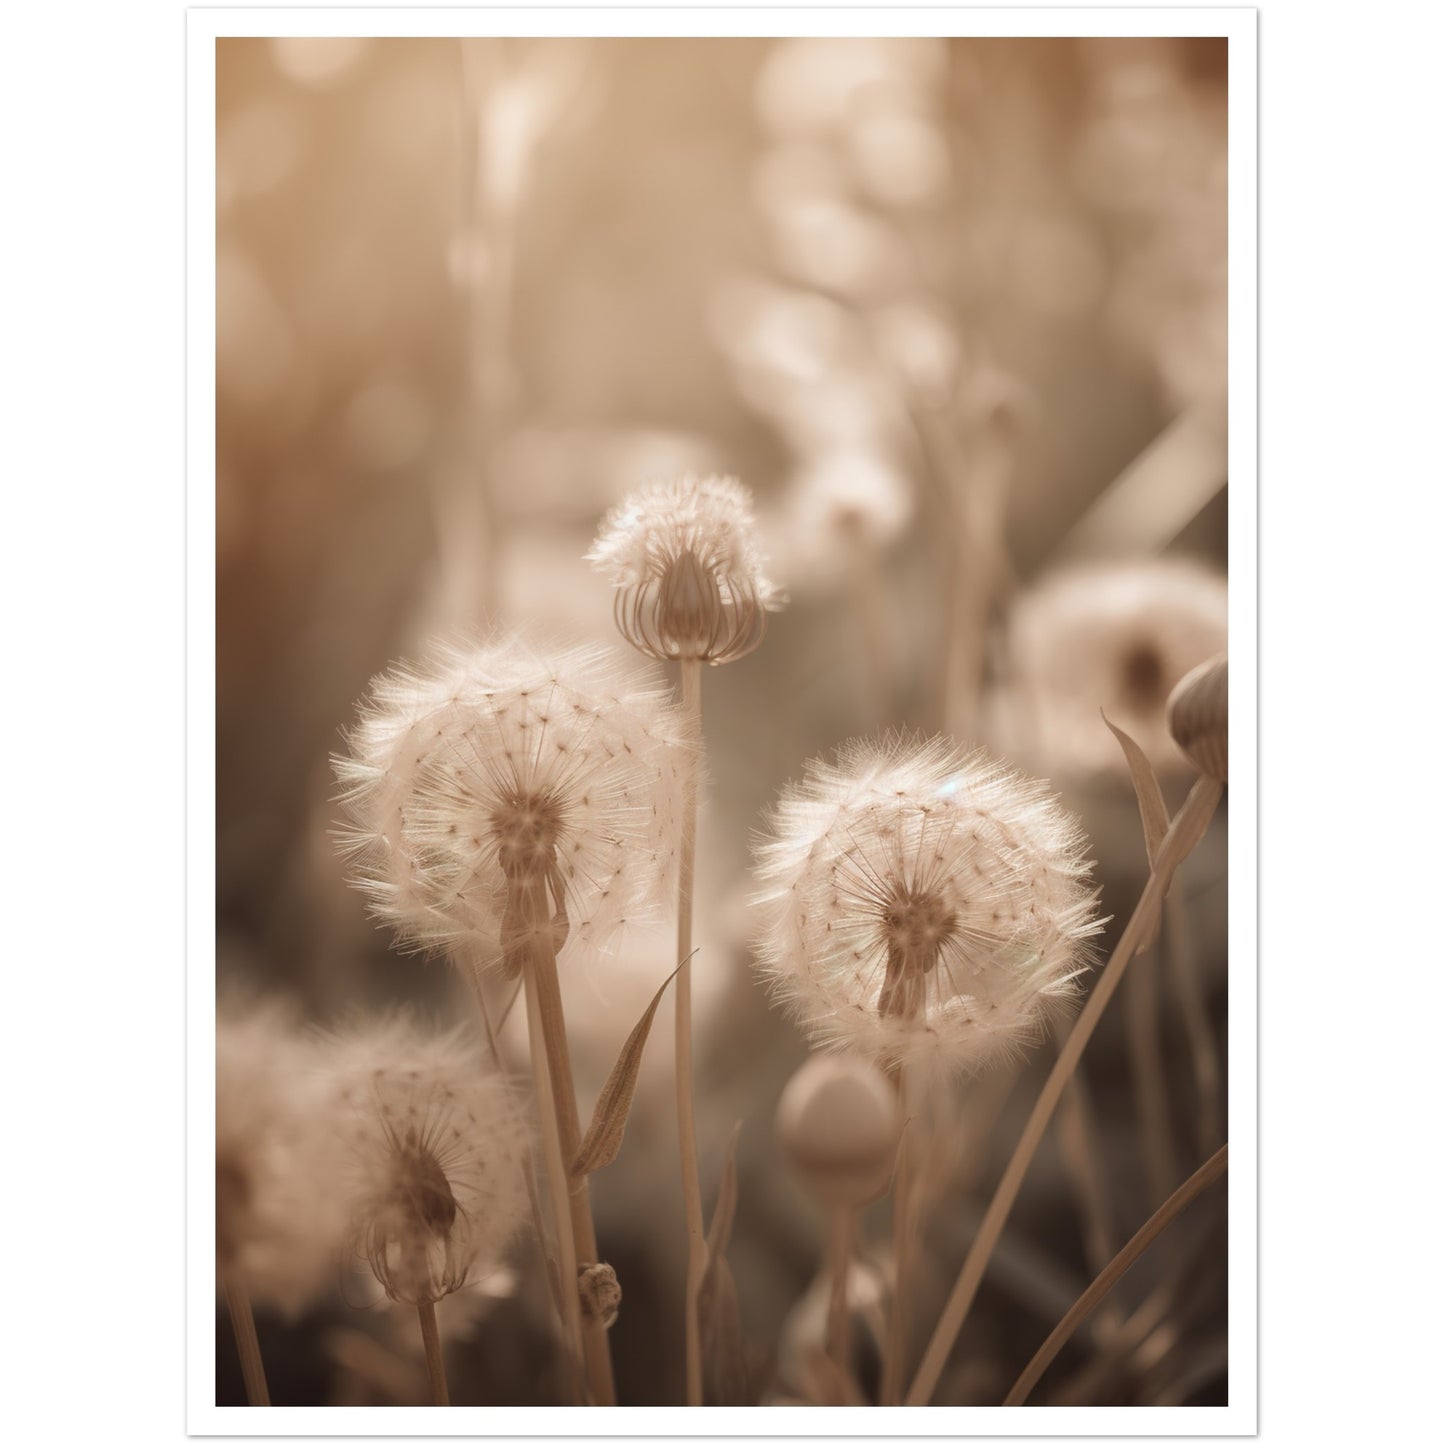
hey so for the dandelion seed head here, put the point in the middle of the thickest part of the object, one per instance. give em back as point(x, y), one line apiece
point(279, 1220)
point(498, 791)
point(1116, 637)
point(435, 1155)
point(923, 905)
point(683, 557)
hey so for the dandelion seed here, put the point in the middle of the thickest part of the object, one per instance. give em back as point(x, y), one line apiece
point(924, 905)
point(489, 769)
point(684, 559)
point(435, 1160)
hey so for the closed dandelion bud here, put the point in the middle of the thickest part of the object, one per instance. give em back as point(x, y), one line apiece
point(600, 1293)
point(924, 905)
point(1199, 717)
point(838, 1125)
point(685, 564)
point(500, 793)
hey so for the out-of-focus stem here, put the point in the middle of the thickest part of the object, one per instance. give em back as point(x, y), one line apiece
point(1146, 1064)
point(467, 523)
point(545, 998)
point(686, 1125)
point(1079, 1311)
point(973, 483)
point(436, 1373)
point(1186, 830)
point(1079, 1146)
point(1205, 1057)
point(243, 1323)
point(842, 1226)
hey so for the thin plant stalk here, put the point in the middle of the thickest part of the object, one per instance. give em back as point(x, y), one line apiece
point(1079, 1147)
point(545, 1001)
point(1192, 1008)
point(974, 484)
point(686, 1124)
point(1082, 1307)
point(1121, 1350)
point(436, 1373)
point(568, 1299)
point(842, 1229)
point(895, 1348)
point(467, 520)
point(1146, 1064)
point(549, 1260)
point(1186, 830)
point(243, 1323)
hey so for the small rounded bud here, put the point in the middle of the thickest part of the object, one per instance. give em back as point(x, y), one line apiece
point(838, 1124)
point(600, 1292)
point(1199, 717)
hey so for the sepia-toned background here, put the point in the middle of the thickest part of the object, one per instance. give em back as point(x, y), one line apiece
point(954, 310)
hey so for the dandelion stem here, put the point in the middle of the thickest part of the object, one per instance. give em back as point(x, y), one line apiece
point(243, 1323)
point(568, 1301)
point(896, 1345)
point(472, 968)
point(545, 1001)
point(1184, 832)
point(686, 1125)
point(1114, 1271)
point(842, 1228)
point(436, 1373)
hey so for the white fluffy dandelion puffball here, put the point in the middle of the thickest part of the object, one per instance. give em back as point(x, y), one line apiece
point(684, 559)
point(435, 1160)
point(500, 769)
point(1111, 636)
point(280, 1221)
point(924, 904)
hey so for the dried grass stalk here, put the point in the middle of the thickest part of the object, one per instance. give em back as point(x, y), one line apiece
point(1080, 1310)
point(247, 1346)
point(431, 1341)
point(1184, 833)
